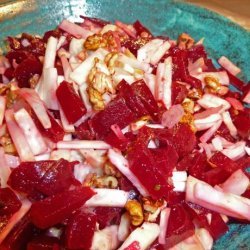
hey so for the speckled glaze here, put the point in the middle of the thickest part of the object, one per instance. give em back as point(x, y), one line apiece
point(222, 37)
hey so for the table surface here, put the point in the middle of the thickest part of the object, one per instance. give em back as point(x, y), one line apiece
point(236, 10)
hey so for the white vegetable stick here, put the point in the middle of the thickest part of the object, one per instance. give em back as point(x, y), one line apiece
point(18, 137)
point(145, 235)
point(4, 169)
point(32, 134)
point(123, 229)
point(82, 144)
point(163, 225)
point(108, 198)
point(2, 108)
point(50, 53)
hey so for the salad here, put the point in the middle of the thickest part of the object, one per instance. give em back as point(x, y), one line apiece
point(113, 138)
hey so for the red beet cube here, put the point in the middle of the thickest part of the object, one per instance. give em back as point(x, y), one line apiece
point(116, 112)
point(26, 69)
point(179, 92)
point(133, 101)
point(71, 103)
point(141, 29)
point(195, 164)
point(20, 235)
point(180, 226)
point(217, 226)
point(80, 231)
point(107, 216)
point(47, 177)
point(9, 203)
point(242, 123)
point(44, 243)
point(56, 208)
point(83, 131)
point(55, 133)
point(143, 92)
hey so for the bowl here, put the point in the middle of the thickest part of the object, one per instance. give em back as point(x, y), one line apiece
point(163, 17)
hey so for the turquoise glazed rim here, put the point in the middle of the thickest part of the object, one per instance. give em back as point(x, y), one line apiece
point(163, 17)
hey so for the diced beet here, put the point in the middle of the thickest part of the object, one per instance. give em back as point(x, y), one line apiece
point(46, 177)
point(180, 226)
point(125, 184)
point(242, 123)
point(246, 194)
point(143, 92)
point(116, 112)
point(195, 164)
point(142, 164)
point(197, 214)
point(175, 198)
point(135, 245)
point(152, 167)
point(97, 21)
point(20, 235)
point(71, 103)
point(55, 33)
point(56, 208)
point(236, 82)
point(216, 176)
point(165, 158)
point(132, 44)
point(80, 231)
point(9, 203)
point(107, 216)
point(221, 161)
point(44, 243)
point(141, 30)
point(217, 227)
point(224, 132)
point(133, 101)
point(9, 73)
point(83, 131)
point(184, 139)
point(18, 56)
point(24, 178)
point(26, 69)
point(55, 133)
point(179, 92)
point(197, 52)
point(36, 45)
point(156, 246)
point(180, 70)
point(116, 142)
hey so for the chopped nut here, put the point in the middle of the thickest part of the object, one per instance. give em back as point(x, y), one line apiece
point(150, 205)
point(195, 94)
point(134, 209)
point(212, 82)
point(110, 60)
point(106, 182)
point(110, 169)
point(185, 41)
point(94, 42)
point(95, 98)
point(188, 118)
point(33, 81)
point(7, 144)
point(188, 105)
point(103, 83)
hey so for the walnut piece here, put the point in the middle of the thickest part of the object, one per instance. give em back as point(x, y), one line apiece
point(185, 41)
point(94, 42)
point(134, 209)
